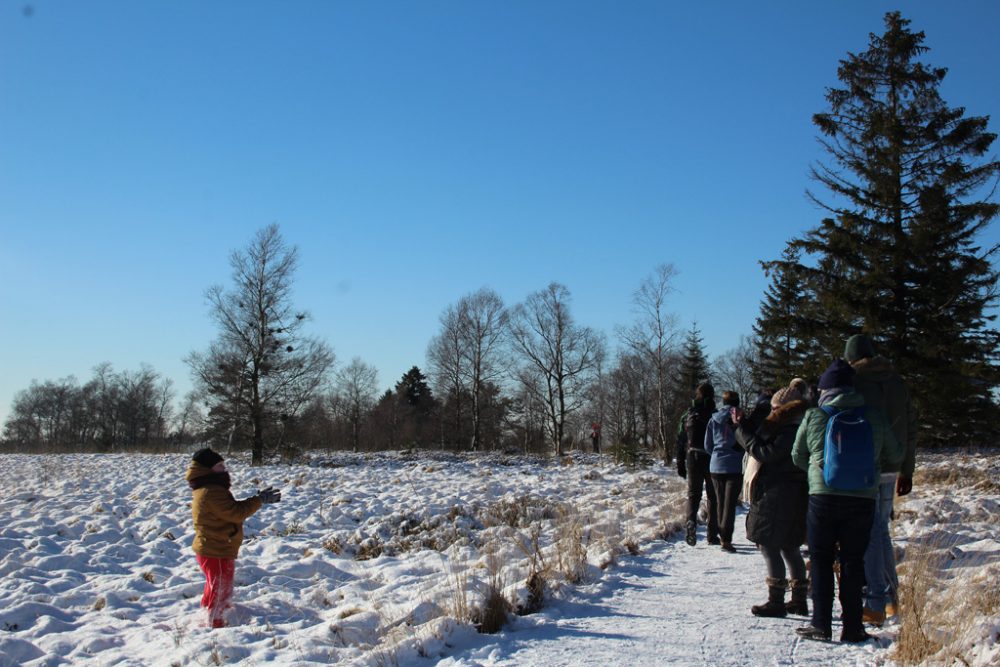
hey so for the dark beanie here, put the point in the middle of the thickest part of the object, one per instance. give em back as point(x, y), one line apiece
point(859, 346)
point(838, 374)
point(206, 457)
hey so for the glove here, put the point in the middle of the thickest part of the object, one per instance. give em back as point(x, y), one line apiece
point(904, 485)
point(269, 495)
point(682, 468)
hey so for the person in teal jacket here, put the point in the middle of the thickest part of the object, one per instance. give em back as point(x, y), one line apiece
point(839, 522)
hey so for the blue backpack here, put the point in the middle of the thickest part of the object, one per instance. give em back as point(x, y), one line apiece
point(848, 450)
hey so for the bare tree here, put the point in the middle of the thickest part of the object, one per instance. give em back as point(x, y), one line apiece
point(484, 321)
point(562, 353)
point(448, 365)
point(653, 336)
point(733, 370)
point(465, 357)
point(356, 390)
point(269, 368)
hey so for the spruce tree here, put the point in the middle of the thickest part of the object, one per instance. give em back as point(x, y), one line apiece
point(786, 331)
point(898, 257)
point(694, 364)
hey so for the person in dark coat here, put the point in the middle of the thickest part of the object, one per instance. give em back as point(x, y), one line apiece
point(778, 493)
point(883, 388)
point(693, 463)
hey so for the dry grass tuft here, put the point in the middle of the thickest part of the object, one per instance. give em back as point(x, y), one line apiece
point(333, 545)
point(491, 618)
point(570, 550)
point(939, 606)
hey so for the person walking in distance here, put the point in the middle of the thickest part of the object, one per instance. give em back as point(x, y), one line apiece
point(726, 465)
point(693, 463)
point(882, 387)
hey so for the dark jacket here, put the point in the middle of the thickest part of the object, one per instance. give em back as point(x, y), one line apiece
point(779, 494)
point(882, 388)
point(694, 422)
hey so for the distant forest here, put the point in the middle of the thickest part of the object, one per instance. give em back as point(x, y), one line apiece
point(906, 184)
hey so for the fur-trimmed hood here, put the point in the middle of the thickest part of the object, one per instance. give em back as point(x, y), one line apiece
point(792, 412)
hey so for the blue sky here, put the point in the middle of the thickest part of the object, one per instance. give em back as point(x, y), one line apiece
point(414, 152)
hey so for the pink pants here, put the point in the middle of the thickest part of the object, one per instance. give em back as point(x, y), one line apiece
point(218, 594)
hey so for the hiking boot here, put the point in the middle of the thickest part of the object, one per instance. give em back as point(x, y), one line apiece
point(872, 617)
point(714, 540)
point(797, 604)
point(728, 547)
point(854, 636)
point(814, 633)
point(775, 605)
point(691, 534)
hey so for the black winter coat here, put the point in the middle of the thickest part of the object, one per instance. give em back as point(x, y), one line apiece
point(779, 496)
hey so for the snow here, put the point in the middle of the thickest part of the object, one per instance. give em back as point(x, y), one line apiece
point(384, 560)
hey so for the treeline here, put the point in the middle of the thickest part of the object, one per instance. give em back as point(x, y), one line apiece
point(525, 378)
point(113, 411)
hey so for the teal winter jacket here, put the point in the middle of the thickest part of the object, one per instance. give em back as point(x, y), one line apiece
point(807, 451)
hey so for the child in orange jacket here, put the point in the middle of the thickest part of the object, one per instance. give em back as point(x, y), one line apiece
point(218, 528)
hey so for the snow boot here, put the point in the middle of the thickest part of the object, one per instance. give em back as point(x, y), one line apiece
point(691, 536)
point(814, 633)
point(854, 636)
point(797, 604)
point(775, 605)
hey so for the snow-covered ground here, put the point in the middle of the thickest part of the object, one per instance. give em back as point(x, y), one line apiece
point(386, 560)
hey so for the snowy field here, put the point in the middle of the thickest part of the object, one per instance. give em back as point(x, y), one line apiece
point(388, 559)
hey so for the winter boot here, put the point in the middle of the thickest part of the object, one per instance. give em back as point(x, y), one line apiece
point(797, 604)
point(691, 533)
point(775, 605)
point(814, 633)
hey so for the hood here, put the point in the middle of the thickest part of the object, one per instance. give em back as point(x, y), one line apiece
point(722, 415)
point(851, 399)
point(878, 369)
point(788, 413)
point(196, 470)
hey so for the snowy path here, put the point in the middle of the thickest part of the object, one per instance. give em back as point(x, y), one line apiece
point(671, 605)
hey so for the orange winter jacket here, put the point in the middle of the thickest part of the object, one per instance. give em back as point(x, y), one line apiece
point(218, 517)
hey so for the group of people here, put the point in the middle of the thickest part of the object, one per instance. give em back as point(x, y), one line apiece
point(774, 456)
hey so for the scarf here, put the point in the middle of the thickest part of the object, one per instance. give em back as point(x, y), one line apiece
point(827, 395)
point(211, 479)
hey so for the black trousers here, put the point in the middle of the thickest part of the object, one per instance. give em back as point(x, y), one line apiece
point(727, 492)
point(698, 477)
point(838, 527)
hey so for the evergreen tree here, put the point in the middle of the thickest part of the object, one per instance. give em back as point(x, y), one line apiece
point(898, 256)
point(694, 364)
point(785, 331)
point(417, 404)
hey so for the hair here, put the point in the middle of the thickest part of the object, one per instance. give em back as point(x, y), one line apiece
point(731, 398)
point(704, 391)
